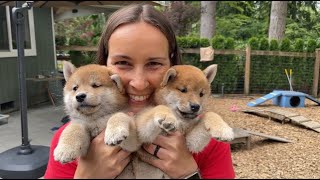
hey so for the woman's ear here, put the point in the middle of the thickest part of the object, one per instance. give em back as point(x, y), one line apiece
point(68, 69)
point(170, 74)
point(210, 72)
point(117, 80)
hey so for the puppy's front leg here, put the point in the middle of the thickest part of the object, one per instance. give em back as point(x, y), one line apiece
point(151, 122)
point(217, 127)
point(121, 130)
point(197, 138)
point(73, 143)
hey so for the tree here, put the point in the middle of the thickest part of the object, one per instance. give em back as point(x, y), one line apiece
point(278, 20)
point(208, 20)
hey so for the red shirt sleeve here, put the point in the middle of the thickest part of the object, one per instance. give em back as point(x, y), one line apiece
point(215, 161)
point(56, 170)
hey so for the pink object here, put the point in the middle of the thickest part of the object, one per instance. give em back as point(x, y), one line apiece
point(234, 108)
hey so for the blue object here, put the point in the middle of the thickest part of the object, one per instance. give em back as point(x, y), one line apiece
point(290, 99)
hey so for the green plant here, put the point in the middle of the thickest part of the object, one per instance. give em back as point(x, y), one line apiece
point(254, 43)
point(264, 44)
point(217, 42)
point(274, 45)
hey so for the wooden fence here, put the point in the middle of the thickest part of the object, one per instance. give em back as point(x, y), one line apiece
point(247, 53)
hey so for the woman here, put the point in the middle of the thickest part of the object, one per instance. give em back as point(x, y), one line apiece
point(139, 44)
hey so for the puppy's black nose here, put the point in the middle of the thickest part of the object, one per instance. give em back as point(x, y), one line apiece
point(194, 107)
point(81, 97)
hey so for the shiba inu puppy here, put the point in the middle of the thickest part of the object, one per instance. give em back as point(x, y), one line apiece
point(91, 95)
point(181, 105)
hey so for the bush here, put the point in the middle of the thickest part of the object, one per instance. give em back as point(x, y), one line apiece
point(274, 46)
point(77, 41)
point(217, 42)
point(311, 45)
point(298, 45)
point(254, 43)
point(204, 42)
point(285, 45)
point(229, 44)
point(61, 40)
point(264, 44)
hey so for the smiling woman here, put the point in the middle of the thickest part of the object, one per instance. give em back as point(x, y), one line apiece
point(139, 45)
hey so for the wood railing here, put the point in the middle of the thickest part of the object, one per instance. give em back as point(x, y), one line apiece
point(247, 52)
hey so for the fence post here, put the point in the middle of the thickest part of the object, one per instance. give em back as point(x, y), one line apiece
point(316, 74)
point(247, 70)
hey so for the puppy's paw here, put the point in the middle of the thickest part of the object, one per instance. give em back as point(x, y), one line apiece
point(167, 122)
point(223, 134)
point(65, 154)
point(115, 136)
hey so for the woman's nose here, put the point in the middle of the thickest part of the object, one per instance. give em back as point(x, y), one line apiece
point(139, 81)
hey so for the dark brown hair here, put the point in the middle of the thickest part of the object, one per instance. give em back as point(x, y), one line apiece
point(136, 13)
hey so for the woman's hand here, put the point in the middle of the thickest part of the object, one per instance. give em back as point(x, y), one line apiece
point(102, 161)
point(174, 157)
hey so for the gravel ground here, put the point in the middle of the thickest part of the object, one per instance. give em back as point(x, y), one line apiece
point(267, 158)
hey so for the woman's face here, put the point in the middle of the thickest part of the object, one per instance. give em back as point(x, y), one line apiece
point(139, 53)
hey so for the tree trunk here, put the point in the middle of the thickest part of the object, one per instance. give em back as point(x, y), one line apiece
point(278, 16)
point(208, 19)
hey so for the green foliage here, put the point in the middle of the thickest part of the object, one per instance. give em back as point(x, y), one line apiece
point(311, 45)
point(61, 40)
point(254, 43)
point(264, 44)
point(274, 45)
point(193, 42)
point(299, 45)
point(217, 42)
point(285, 45)
point(77, 41)
point(229, 44)
point(204, 42)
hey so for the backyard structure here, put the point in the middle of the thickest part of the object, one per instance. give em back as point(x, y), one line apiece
point(284, 99)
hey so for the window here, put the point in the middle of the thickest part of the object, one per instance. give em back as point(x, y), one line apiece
point(8, 46)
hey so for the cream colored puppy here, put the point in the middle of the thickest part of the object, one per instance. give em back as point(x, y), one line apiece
point(181, 105)
point(91, 95)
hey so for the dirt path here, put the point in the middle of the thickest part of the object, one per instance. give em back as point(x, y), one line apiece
point(272, 159)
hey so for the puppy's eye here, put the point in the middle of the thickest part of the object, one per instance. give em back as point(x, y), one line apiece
point(201, 94)
point(75, 88)
point(183, 90)
point(95, 85)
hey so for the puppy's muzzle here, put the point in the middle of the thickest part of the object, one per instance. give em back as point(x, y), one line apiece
point(81, 97)
point(194, 107)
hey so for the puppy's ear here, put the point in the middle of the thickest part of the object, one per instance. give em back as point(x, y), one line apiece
point(68, 69)
point(210, 72)
point(117, 80)
point(170, 74)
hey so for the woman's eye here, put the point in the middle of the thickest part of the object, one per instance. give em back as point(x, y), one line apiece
point(75, 88)
point(122, 63)
point(95, 85)
point(183, 90)
point(154, 64)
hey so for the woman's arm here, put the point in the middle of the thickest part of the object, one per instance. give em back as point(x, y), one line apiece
point(102, 161)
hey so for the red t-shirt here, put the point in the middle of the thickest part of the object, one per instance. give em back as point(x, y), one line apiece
point(214, 161)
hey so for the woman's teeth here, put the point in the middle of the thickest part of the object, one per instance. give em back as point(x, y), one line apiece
point(139, 98)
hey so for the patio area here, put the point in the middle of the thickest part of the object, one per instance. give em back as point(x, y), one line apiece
point(41, 119)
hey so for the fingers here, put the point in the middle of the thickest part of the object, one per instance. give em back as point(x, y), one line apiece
point(161, 154)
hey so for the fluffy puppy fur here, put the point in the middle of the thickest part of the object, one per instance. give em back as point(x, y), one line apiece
point(181, 105)
point(91, 95)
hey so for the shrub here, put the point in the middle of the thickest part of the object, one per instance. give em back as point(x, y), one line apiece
point(218, 42)
point(274, 46)
point(254, 43)
point(285, 45)
point(264, 44)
